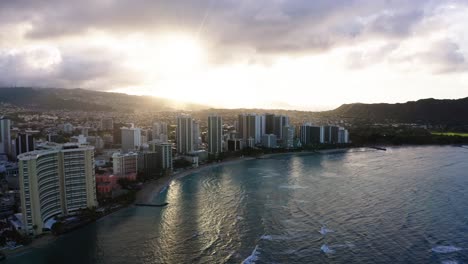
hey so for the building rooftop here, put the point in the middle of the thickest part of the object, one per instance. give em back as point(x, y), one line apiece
point(50, 147)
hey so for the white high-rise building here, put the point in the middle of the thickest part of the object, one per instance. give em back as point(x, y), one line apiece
point(5, 136)
point(131, 138)
point(288, 137)
point(55, 181)
point(215, 135)
point(184, 134)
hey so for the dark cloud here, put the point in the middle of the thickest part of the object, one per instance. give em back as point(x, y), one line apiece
point(250, 30)
point(49, 68)
point(264, 25)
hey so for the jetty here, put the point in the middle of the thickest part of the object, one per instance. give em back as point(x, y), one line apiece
point(378, 148)
point(151, 205)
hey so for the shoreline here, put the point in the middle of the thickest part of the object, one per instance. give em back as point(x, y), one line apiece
point(151, 189)
point(154, 187)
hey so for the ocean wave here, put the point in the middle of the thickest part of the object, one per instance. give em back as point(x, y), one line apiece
point(449, 262)
point(324, 230)
point(445, 249)
point(253, 257)
point(292, 187)
point(326, 249)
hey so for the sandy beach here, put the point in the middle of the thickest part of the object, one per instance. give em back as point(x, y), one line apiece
point(152, 188)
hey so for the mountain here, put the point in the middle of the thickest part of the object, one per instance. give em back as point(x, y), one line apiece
point(88, 100)
point(421, 111)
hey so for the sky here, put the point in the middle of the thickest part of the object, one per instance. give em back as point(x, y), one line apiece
point(290, 54)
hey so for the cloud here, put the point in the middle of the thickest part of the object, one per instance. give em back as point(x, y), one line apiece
point(252, 32)
point(48, 67)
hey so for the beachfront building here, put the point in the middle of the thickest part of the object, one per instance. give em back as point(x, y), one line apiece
point(269, 141)
point(125, 163)
point(164, 155)
point(184, 134)
point(288, 137)
point(215, 135)
point(131, 138)
point(55, 181)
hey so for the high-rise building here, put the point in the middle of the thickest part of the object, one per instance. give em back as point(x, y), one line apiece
point(196, 135)
point(131, 138)
point(148, 164)
point(269, 141)
point(184, 134)
point(55, 181)
point(274, 124)
point(343, 136)
point(164, 156)
point(251, 126)
point(159, 128)
point(24, 142)
point(280, 122)
point(311, 135)
point(5, 136)
point(215, 135)
point(269, 123)
point(125, 163)
point(330, 134)
point(288, 137)
point(107, 124)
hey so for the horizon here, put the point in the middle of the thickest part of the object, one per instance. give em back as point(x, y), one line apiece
point(292, 55)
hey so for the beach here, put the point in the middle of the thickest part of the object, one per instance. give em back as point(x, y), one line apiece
point(152, 188)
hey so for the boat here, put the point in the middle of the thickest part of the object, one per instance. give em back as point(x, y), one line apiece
point(152, 205)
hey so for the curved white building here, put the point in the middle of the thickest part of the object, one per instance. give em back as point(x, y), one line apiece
point(55, 182)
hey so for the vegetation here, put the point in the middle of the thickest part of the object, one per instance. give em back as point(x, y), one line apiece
point(430, 111)
point(450, 134)
point(390, 135)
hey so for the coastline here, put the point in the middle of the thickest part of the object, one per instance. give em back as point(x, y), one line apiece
point(152, 188)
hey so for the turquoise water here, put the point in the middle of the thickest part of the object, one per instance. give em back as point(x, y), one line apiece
point(406, 205)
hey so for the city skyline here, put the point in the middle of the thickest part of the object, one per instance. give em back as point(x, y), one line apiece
point(223, 54)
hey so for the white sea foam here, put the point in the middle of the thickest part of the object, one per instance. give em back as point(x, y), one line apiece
point(240, 218)
point(274, 237)
point(324, 230)
point(326, 249)
point(253, 257)
point(445, 249)
point(449, 262)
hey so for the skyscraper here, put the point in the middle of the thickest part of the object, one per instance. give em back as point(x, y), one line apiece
point(215, 135)
point(131, 138)
point(280, 122)
point(311, 135)
point(160, 131)
point(184, 134)
point(24, 142)
point(55, 181)
point(288, 137)
point(196, 135)
point(164, 155)
point(251, 126)
point(5, 136)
